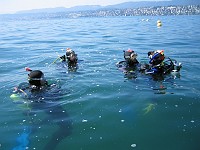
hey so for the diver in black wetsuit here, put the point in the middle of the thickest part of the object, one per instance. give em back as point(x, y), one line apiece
point(156, 61)
point(129, 65)
point(39, 95)
point(70, 57)
point(36, 82)
point(131, 58)
point(160, 65)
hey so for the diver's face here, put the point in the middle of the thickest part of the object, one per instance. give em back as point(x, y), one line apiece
point(37, 81)
point(150, 54)
point(133, 56)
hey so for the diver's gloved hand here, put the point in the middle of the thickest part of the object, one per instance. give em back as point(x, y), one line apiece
point(63, 58)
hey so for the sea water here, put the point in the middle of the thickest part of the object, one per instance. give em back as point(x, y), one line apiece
point(102, 108)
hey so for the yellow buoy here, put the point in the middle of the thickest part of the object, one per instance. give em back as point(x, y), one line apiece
point(159, 23)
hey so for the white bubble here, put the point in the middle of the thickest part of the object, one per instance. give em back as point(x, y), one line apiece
point(84, 120)
point(133, 145)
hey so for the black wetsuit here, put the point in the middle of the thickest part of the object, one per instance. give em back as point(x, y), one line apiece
point(46, 99)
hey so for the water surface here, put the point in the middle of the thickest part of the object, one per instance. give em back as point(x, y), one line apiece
point(101, 108)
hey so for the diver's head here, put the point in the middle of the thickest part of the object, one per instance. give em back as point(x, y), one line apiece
point(71, 56)
point(130, 56)
point(156, 57)
point(150, 54)
point(36, 78)
point(68, 51)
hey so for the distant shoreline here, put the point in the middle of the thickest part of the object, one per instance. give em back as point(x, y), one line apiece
point(144, 11)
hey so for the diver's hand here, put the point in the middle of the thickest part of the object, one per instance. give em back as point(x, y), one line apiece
point(63, 58)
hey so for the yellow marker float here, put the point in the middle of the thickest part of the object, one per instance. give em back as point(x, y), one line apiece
point(159, 23)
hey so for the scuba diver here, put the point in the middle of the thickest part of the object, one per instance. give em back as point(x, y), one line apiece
point(156, 61)
point(38, 96)
point(36, 82)
point(70, 57)
point(130, 64)
point(131, 58)
point(160, 65)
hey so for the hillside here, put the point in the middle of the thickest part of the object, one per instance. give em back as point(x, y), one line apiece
point(118, 6)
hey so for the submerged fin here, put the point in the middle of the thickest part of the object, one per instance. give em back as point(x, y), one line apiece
point(149, 108)
point(23, 140)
